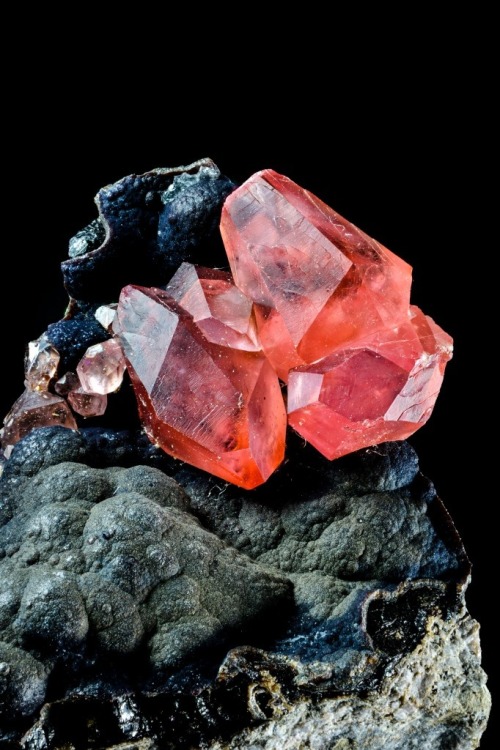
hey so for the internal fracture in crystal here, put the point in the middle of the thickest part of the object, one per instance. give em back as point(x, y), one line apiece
point(317, 281)
point(215, 406)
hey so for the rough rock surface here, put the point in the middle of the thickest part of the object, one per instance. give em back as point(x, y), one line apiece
point(105, 562)
point(117, 604)
point(435, 697)
point(167, 215)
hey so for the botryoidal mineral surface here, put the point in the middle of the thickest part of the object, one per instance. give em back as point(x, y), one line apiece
point(147, 604)
point(324, 609)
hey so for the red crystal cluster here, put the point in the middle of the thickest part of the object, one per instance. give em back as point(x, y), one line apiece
point(312, 301)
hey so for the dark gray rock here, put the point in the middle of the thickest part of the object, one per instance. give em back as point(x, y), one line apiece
point(127, 589)
point(101, 562)
point(97, 447)
point(151, 223)
point(73, 336)
point(23, 681)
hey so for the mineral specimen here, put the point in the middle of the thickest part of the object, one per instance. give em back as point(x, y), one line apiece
point(101, 368)
point(337, 588)
point(317, 281)
point(147, 607)
point(311, 296)
point(215, 406)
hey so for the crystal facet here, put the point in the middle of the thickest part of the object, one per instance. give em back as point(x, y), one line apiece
point(34, 409)
point(381, 388)
point(214, 406)
point(40, 364)
point(87, 404)
point(101, 368)
point(218, 307)
point(318, 282)
point(105, 315)
point(311, 299)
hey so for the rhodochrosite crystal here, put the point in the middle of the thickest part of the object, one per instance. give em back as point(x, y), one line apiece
point(380, 388)
point(317, 281)
point(218, 307)
point(333, 316)
point(311, 300)
point(217, 407)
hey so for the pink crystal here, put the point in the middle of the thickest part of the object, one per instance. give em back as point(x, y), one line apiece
point(105, 315)
point(87, 404)
point(83, 403)
point(383, 387)
point(40, 364)
point(318, 282)
point(218, 307)
point(216, 407)
point(101, 368)
point(35, 409)
point(69, 382)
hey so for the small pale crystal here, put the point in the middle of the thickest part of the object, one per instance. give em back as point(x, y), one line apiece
point(40, 364)
point(105, 315)
point(35, 409)
point(69, 382)
point(87, 404)
point(83, 403)
point(101, 368)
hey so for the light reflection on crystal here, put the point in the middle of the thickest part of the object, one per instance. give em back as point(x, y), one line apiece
point(87, 404)
point(105, 315)
point(101, 368)
point(35, 409)
point(216, 407)
point(383, 388)
point(218, 307)
point(317, 281)
point(40, 364)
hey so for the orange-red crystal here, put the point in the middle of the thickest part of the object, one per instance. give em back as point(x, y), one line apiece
point(217, 407)
point(311, 299)
point(333, 314)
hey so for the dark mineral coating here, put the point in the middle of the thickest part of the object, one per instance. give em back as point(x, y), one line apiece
point(97, 447)
point(108, 576)
point(101, 564)
point(149, 224)
point(87, 239)
point(73, 336)
point(370, 521)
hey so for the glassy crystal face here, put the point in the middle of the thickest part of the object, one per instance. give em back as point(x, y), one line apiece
point(87, 404)
point(35, 409)
point(102, 367)
point(311, 299)
point(317, 281)
point(105, 315)
point(40, 364)
point(382, 388)
point(217, 407)
point(219, 308)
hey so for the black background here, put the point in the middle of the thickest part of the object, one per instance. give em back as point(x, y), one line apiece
point(398, 147)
